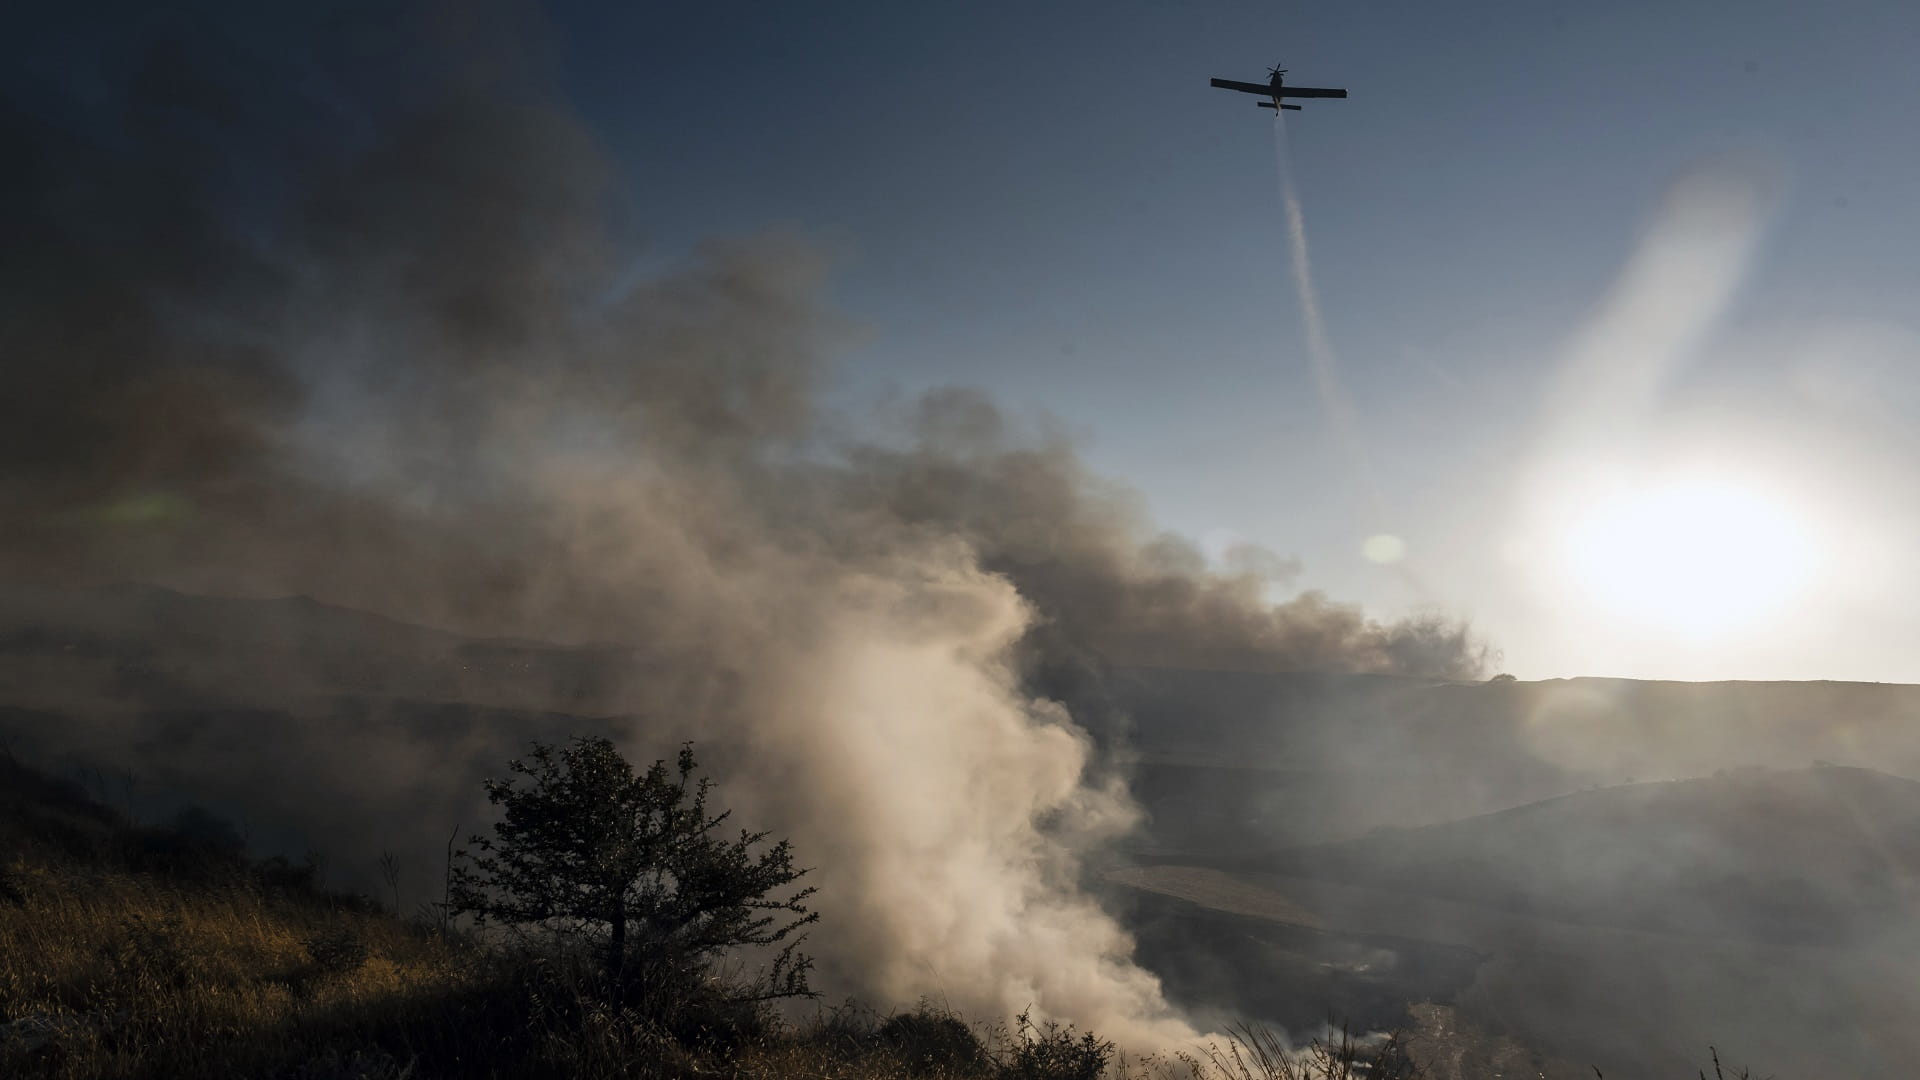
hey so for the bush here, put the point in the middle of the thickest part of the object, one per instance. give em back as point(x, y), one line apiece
point(278, 874)
point(196, 845)
point(930, 1040)
point(1049, 1051)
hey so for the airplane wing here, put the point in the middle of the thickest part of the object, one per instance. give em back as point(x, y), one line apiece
point(1267, 91)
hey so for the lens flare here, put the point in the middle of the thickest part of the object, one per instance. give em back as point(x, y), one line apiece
point(1384, 548)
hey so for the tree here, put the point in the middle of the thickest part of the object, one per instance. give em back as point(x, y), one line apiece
point(636, 862)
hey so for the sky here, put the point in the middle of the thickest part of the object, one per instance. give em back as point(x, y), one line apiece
point(1048, 201)
point(1620, 297)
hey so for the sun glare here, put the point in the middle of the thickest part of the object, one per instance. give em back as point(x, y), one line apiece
point(1697, 555)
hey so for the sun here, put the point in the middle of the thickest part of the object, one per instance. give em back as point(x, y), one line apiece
point(1698, 554)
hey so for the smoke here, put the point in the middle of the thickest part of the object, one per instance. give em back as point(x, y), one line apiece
point(397, 360)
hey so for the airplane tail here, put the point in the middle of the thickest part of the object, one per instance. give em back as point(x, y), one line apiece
point(1271, 105)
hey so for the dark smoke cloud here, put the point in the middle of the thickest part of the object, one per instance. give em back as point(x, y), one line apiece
point(292, 322)
point(1084, 554)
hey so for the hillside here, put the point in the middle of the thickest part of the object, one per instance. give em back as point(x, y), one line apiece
point(1223, 761)
point(149, 952)
point(130, 950)
point(1770, 912)
point(1820, 856)
point(1459, 856)
point(316, 727)
point(158, 646)
point(1230, 761)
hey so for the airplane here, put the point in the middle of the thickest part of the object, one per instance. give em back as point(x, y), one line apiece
point(1274, 88)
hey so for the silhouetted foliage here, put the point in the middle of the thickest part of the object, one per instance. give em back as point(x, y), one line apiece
point(929, 1040)
point(1049, 1051)
point(636, 862)
point(195, 844)
point(277, 873)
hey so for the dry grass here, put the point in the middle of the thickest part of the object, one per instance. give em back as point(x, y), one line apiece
point(136, 952)
point(110, 973)
point(129, 951)
point(117, 974)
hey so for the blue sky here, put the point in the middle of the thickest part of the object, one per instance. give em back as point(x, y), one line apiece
point(1050, 202)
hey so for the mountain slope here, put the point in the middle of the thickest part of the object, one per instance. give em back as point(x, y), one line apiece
point(1819, 856)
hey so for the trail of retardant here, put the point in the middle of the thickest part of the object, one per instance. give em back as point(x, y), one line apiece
point(1326, 363)
point(1320, 346)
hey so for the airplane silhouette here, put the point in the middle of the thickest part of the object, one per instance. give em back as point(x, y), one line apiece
point(1275, 88)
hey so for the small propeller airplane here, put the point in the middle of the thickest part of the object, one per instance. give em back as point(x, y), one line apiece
point(1275, 88)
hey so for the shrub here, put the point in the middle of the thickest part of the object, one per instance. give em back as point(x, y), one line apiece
point(1049, 1051)
point(196, 845)
point(278, 874)
point(930, 1040)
